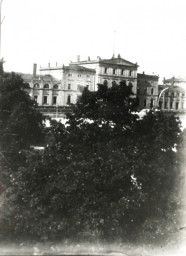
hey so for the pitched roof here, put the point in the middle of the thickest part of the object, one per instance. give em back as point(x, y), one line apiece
point(113, 60)
point(145, 76)
point(118, 61)
point(174, 79)
point(79, 68)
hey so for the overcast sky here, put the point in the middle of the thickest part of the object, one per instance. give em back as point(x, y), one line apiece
point(149, 32)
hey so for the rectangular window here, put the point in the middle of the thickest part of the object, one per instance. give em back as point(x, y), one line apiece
point(69, 86)
point(165, 105)
point(160, 104)
point(68, 99)
point(145, 103)
point(171, 104)
point(138, 90)
point(35, 98)
point(78, 98)
point(54, 100)
point(177, 105)
point(45, 99)
point(151, 103)
point(80, 88)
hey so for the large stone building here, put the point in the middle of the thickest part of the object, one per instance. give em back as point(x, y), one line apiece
point(59, 86)
point(110, 71)
point(56, 87)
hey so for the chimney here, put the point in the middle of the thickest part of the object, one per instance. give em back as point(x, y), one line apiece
point(98, 58)
point(78, 58)
point(143, 73)
point(172, 82)
point(34, 69)
point(48, 64)
point(88, 58)
point(56, 64)
point(119, 56)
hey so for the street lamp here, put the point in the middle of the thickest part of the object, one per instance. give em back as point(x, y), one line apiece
point(161, 94)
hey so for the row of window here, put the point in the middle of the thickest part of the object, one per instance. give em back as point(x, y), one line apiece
point(45, 99)
point(79, 75)
point(105, 82)
point(174, 94)
point(170, 105)
point(46, 86)
point(54, 99)
point(166, 104)
point(144, 90)
point(116, 71)
point(151, 103)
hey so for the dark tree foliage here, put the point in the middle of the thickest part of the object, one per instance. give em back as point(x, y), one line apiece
point(21, 126)
point(105, 174)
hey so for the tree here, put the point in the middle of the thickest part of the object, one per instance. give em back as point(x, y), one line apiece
point(104, 174)
point(21, 123)
point(21, 126)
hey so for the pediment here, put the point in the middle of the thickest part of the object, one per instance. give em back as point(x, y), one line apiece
point(118, 61)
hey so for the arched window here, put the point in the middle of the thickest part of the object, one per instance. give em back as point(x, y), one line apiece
point(166, 94)
point(46, 86)
point(36, 85)
point(130, 84)
point(27, 85)
point(113, 82)
point(105, 82)
point(55, 86)
point(123, 82)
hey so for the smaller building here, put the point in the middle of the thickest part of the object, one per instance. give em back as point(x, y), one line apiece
point(172, 95)
point(73, 80)
point(147, 91)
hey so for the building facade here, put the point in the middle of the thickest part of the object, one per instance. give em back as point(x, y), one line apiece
point(73, 79)
point(62, 85)
point(147, 91)
point(59, 86)
point(112, 71)
point(172, 95)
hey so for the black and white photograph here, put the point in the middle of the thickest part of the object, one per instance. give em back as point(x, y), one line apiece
point(93, 127)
